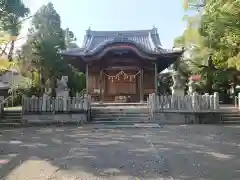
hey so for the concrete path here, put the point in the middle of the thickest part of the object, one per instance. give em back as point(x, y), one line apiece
point(171, 152)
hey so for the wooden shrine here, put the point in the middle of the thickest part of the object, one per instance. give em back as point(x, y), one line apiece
point(121, 66)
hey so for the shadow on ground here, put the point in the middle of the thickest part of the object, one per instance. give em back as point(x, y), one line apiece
point(173, 152)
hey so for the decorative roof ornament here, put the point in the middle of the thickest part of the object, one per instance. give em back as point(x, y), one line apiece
point(155, 29)
point(88, 31)
point(120, 37)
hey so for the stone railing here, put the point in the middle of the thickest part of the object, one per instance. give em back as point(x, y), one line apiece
point(55, 105)
point(187, 103)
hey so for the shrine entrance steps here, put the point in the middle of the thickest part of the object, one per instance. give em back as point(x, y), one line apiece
point(230, 117)
point(11, 118)
point(120, 114)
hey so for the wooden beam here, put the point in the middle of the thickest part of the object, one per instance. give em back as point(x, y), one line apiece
point(156, 78)
point(141, 85)
point(86, 74)
point(101, 85)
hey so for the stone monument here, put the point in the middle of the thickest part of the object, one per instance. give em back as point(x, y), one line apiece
point(62, 90)
point(191, 87)
point(178, 84)
point(46, 94)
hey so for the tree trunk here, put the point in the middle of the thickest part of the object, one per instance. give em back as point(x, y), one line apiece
point(10, 54)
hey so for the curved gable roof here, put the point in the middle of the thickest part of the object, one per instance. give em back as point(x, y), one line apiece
point(148, 39)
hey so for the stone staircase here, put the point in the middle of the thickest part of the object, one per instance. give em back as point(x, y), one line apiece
point(229, 117)
point(120, 114)
point(11, 118)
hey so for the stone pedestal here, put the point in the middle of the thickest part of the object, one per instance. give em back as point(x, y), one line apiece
point(178, 92)
point(64, 94)
point(178, 84)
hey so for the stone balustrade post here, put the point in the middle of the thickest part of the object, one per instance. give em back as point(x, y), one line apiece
point(207, 101)
point(238, 100)
point(216, 100)
point(86, 102)
point(195, 101)
point(44, 102)
point(211, 101)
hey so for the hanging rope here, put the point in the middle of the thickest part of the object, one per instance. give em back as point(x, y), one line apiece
point(122, 73)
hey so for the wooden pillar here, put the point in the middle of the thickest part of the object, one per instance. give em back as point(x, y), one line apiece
point(141, 87)
point(87, 79)
point(101, 84)
point(156, 78)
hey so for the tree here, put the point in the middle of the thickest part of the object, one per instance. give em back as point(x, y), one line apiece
point(220, 25)
point(10, 21)
point(218, 29)
point(194, 4)
point(41, 51)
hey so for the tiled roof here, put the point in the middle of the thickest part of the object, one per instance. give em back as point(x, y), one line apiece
point(147, 40)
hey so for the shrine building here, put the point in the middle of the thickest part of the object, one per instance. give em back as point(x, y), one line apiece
point(121, 66)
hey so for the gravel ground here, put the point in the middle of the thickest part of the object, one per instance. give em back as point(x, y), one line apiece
point(71, 153)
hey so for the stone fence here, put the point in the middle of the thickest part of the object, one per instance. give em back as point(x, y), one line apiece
point(55, 110)
point(55, 104)
point(188, 109)
point(187, 103)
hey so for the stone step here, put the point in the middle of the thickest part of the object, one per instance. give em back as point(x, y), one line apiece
point(121, 118)
point(138, 120)
point(10, 124)
point(120, 115)
point(132, 105)
point(110, 126)
point(10, 120)
point(119, 110)
point(231, 118)
point(13, 116)
point(231, 115)
point(231, 122)
point(114, 122)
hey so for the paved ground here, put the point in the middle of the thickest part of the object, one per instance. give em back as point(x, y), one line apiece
point(71, 153)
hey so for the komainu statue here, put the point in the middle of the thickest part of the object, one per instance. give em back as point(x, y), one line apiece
point(48, 89)
point(62, 84)
point(178, 81)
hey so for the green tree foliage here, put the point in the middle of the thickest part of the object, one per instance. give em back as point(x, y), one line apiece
point(11, 12)
point(220, 25)
point(213, 30)
point(41, 51)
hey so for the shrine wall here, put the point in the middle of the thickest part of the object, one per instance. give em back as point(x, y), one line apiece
point(93, 82)
point(148, 81)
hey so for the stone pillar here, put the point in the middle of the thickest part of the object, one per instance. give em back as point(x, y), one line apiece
point(87, 79)
point(238, 100)
point(211, 101)
point(216, 101)
point(195, 103)
point(156, 78)
point(44, 102)
point(141, 88)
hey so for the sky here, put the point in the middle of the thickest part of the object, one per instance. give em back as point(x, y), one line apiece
point(80, 15)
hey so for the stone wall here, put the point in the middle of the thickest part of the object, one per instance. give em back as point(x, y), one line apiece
point(187, 118)
point(50, 118)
